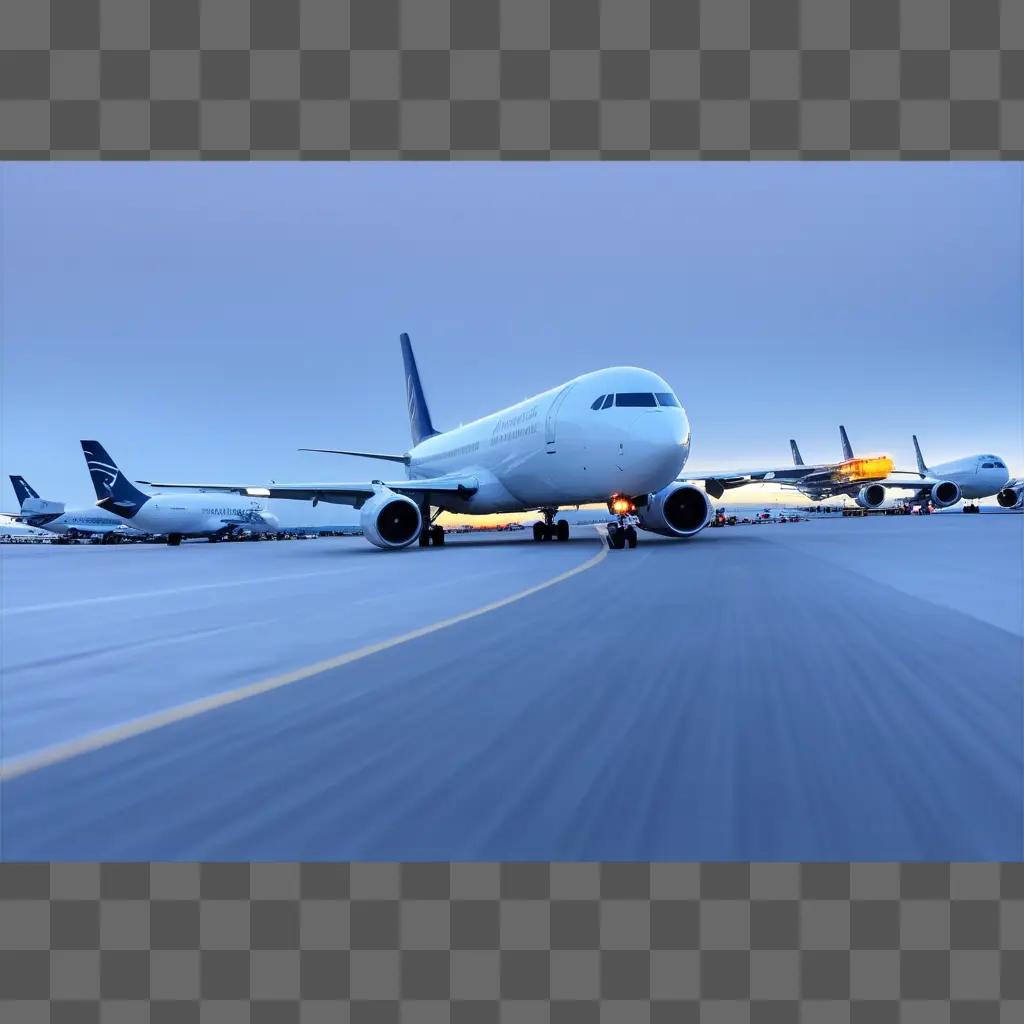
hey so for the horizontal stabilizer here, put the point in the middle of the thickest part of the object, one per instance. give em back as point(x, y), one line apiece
point(404, 459)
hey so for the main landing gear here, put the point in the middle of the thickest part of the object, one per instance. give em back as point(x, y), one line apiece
point(622, 534)
point(549, 529)
point(173, 539)
point(969, 509)
point(431, 533)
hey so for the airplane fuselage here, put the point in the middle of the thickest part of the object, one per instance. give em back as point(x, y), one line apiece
point(71, 521)
point(556, 449)
point(203, 514)
point(977, 476)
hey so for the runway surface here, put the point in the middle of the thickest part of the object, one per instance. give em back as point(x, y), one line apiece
point(839, 689)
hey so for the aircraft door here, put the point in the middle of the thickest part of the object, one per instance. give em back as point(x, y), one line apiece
point(552, 417)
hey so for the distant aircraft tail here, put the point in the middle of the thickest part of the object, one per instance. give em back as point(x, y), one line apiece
point(798, 459)
point(22, 489)
point(922, 468)
point(847, 448)
point(419, 415)
point(114, 492)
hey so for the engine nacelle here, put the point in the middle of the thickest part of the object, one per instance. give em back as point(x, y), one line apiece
point(390, 520)
point(1010, 497)
point(679, 510)
point(870, 496)
point(945, 493)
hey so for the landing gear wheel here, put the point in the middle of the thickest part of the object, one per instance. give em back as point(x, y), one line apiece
point(562, 529)
point(539, 531)
point(630, 533)
point(616, 538)
point(425, 536)
point(173, 539)
point(437, 536)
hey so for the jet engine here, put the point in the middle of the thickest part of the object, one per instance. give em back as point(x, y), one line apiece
point(870, 496)
point(1011, 496)
point(945, 493)
point(679, 510)
point(390, 520)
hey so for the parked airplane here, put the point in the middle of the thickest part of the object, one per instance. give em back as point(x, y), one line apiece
point(176, 516)
point(617, 435)
point(867, 479)
point(53, 517)
point(970, 478)
point(853, 476)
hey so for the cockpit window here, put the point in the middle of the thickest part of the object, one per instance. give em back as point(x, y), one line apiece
point(597, 402)
point(988, 465)
point(666, 398)
point(635, 398)
point(608, 399)
point(999, 465)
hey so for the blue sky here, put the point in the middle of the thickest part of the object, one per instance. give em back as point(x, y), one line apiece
point(205, 320)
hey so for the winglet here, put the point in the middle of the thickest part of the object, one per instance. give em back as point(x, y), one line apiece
point(22, 489)
point(419, 414)
point(114, 492)
point(847, 449)
point(798, 459)
point(922, 468)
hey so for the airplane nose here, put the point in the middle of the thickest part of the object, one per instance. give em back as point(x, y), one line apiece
point(656, 444)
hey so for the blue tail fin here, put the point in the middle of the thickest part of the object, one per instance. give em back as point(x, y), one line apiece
point(419, 414)
point(921, 467)
point(22, 489)
point(798, 459)
point(847, 448)
point(114, 491)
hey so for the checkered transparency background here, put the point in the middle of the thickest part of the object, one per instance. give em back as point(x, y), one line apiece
point(867, 943)
point(535, 79)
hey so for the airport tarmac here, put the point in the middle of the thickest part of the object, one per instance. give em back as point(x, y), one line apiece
point(837, 689)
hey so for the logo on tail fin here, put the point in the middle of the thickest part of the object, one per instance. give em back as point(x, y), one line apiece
point(22, 489)
point(416, 403)
point(113, 492)
point(922, 468)
point(847, 449)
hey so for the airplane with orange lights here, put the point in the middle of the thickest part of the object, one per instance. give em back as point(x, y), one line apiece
point(851, 477)
point(866, 479)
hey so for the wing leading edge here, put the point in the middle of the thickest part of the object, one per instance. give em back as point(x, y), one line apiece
point(354, 494)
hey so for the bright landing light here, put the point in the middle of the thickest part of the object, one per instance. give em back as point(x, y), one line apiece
point(257, 492)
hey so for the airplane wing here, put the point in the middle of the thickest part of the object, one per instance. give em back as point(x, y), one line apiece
point(717, 481)
point(916, 483)
point(354, 494)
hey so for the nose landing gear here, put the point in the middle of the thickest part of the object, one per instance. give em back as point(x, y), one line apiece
point(549, 529)
point(622, 534)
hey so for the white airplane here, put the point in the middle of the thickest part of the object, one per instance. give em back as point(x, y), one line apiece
point(175, 516)
point(866, 479)
point(617, 436)
point(53, 517)
point(973, 477)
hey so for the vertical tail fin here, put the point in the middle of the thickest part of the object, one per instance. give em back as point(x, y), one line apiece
point(114, 491)
point(921, 467)
point(22, 489)
point(798, 459)
point(419, 414)
point(847, 448)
